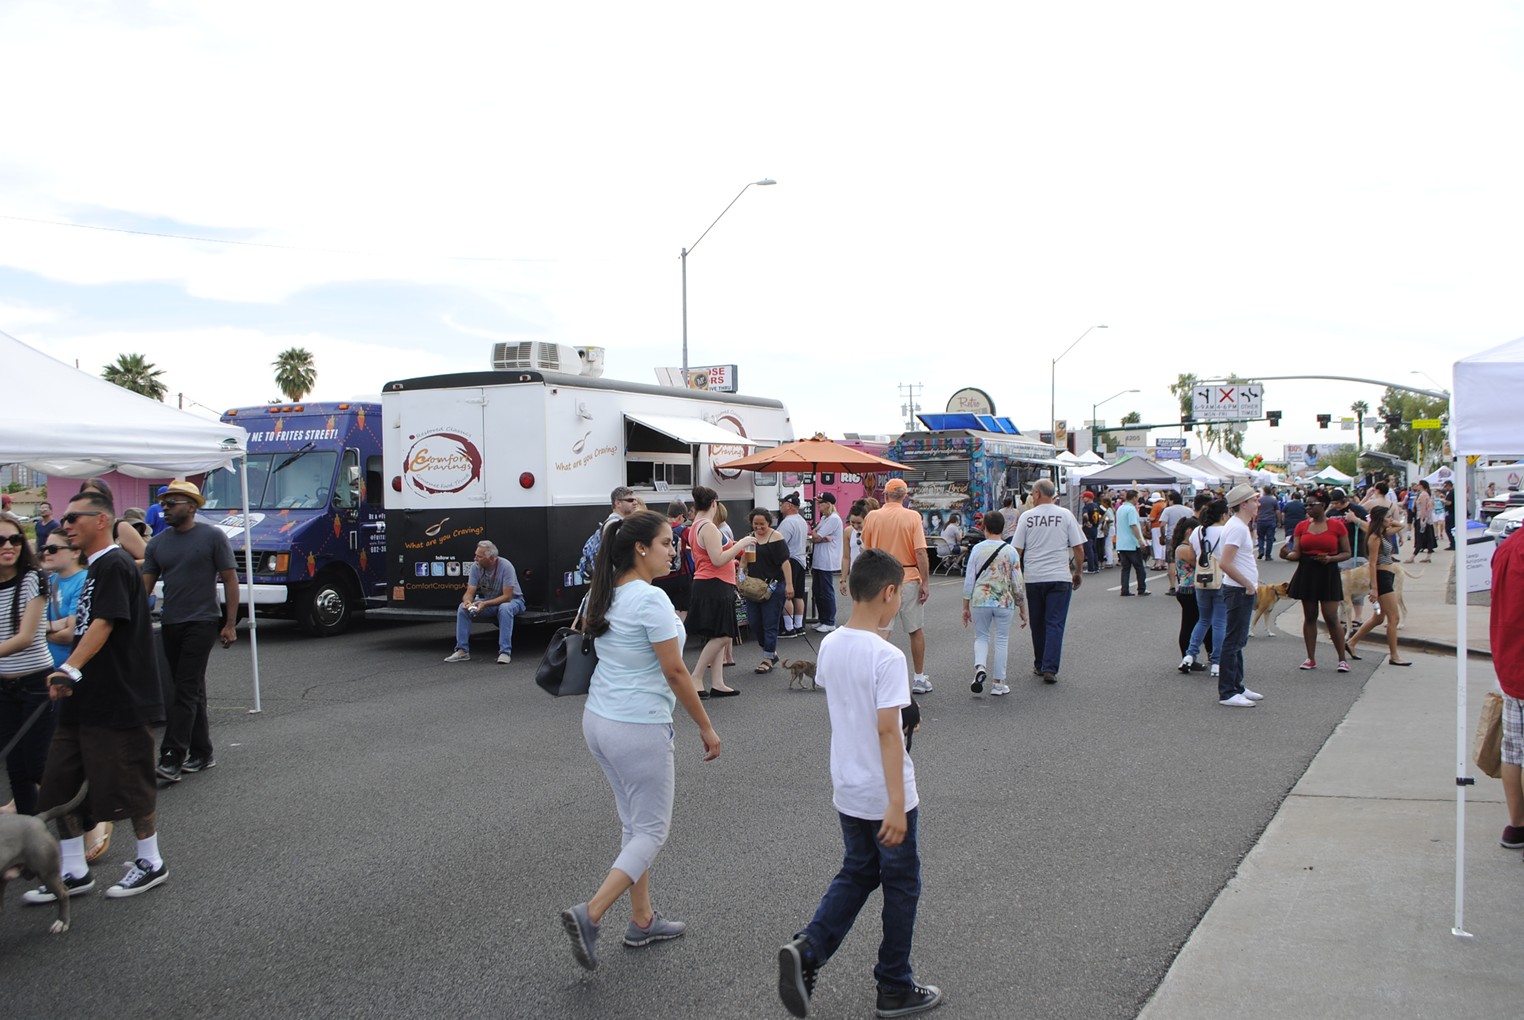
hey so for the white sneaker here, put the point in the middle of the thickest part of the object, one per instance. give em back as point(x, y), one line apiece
point(921, 684)
point(1252, 696)
point(459, 655)
point(1185, 664)
point(1214, 669)
point(999, 689)
point(503, 658)
point(1237, 701)
point(823, 628)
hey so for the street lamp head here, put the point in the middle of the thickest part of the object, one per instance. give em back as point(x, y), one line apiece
point(765, 181)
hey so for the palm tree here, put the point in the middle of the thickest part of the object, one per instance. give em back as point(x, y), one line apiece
point(136, 373)
point(1361, 409)
point(294, 372)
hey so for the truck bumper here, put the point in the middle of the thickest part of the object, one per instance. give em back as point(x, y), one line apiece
point(263, 594)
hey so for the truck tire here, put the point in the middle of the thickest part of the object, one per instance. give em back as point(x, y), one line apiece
point(326, 608)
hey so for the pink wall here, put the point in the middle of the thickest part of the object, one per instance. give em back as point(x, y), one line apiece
point(126, 491)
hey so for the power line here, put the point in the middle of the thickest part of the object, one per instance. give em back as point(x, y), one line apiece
point(251, 244)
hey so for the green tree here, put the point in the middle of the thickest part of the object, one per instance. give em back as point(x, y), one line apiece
point(294, 372)
point(136, 373)
point(1403, 442)
point(1132, 418)
point(1209, 436)
point(1346, 461)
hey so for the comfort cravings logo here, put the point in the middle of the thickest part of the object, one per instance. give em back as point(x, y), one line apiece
point(441, 461)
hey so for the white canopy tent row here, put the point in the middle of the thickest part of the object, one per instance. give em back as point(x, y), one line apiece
point(1483, 423)
point(72, 424)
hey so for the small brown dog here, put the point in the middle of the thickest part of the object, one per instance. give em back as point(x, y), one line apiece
point(1265, 598)
point(798, 671)
point(1357, 583)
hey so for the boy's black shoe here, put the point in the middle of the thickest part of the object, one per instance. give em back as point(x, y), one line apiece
point(796, 977)
point(196, 763)
point(904, 1001)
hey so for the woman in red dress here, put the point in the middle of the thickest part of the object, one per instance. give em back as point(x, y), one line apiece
point(1321, 545)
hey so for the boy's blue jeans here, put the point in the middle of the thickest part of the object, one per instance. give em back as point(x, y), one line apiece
point(866, 865)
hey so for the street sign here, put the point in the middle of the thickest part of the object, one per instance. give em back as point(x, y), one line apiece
point(1171, 442)
point(1167, 453)
point(1347, 424)
point(1428, 423)
point(1228, 402)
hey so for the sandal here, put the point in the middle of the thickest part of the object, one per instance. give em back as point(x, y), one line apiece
point(765, 666)
point(97, 849)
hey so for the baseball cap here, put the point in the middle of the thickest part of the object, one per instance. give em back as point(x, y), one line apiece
point(826, 497)
point(792, 497)
point(896, 485)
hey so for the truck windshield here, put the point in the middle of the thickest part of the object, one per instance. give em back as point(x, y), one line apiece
point(301, 484)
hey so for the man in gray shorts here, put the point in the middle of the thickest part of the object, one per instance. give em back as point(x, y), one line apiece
point(190, 556)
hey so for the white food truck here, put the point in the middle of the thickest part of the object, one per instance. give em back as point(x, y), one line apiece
point(526, 455)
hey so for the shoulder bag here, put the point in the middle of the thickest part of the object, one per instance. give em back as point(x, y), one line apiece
point(1208, 566)
point(566, 669)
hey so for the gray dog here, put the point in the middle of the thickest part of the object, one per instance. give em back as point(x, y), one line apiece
point(27, 848)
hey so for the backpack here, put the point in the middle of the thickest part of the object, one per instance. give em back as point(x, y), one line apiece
point(589, 560)
point(1208, 566)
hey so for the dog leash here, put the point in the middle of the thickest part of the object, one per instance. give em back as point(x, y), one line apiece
point(36, 714)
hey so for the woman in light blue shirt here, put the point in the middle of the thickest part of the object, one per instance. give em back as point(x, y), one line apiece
point(639, 678)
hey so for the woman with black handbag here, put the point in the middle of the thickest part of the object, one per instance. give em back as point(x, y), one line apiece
point(771, 566)
point(639, 679)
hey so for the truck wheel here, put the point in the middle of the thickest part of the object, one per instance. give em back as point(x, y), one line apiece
point(326, 609)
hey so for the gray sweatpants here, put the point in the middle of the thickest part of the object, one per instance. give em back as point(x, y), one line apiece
point(637, 759)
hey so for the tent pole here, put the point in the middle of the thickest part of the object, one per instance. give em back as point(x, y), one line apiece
point(1462, 779)
point(248, 564)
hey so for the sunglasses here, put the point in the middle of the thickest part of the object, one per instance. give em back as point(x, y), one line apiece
point(16, 540)
point(73, 516)
point(53, 548)
point(167, 503)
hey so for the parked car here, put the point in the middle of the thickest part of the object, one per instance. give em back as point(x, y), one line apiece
point(1506, 523)
point(1494, 505)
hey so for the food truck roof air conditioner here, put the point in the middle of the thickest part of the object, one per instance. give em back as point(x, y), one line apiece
point(538, 356)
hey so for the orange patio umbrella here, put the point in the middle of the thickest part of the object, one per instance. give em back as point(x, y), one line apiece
point(814, 454)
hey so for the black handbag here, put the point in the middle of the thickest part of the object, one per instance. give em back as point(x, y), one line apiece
point(566, 669)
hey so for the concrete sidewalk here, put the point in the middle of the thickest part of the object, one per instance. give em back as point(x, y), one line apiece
point(1344, 907)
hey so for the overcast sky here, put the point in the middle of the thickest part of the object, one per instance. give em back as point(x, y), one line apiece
point(963, 190)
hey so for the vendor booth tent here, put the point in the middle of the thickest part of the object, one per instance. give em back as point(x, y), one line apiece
point(1132, 472)
point(71, 423)
point(1483, 423)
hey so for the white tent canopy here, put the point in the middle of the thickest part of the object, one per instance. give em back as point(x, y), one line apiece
point(1332, 474)
point(1483, 423)
point(70, 423)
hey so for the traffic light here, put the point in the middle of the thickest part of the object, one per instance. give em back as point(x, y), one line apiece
point(1323, 420)
point(1274, 418)
point(1188, 423)
point(1393, 422)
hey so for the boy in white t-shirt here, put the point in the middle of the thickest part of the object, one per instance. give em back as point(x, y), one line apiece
point(873, 781)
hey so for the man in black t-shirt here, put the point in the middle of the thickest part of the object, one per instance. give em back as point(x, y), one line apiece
point(109, 691)
point(1354, 517)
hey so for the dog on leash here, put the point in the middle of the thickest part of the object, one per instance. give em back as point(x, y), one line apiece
point(799, 670)
point(27, 849)
point(1356, 582)
point(1265, 598)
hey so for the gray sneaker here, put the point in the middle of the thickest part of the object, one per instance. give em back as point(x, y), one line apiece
point(659, 930)
point(583, 933)
point(459, 655)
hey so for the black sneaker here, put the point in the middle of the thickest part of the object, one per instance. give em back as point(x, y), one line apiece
point(978, 685)
point(904, 1001)
point(796, 977)
point(74, 886)
point(168, 771)
point(1050, 678)
point(196, 763)
point(141, 877)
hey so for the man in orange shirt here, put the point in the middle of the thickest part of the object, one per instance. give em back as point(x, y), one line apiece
point(1156, 529)
point(897, 529)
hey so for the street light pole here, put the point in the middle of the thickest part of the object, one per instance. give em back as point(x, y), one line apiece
point(1093, 408)
point(684, 257)
point(1053, 385)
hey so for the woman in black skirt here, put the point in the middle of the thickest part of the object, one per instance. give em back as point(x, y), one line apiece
point(712, 599)
point(1321, 545)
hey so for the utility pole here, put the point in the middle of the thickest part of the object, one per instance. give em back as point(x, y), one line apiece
point(909, 392)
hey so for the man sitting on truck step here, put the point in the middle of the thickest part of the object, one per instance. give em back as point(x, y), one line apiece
point(492, 596)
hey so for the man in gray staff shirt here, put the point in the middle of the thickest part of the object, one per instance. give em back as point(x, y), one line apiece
point(190, 556)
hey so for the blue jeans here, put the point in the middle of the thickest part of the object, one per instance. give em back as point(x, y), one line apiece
point(1266, 538)
point(866, 865)
point(992, 627)
point(501, 614)
point(1240, 610)
point(825, 595)
point(763, 619)
point(1092, 555)
point(1048, 606)
point(1214, 616)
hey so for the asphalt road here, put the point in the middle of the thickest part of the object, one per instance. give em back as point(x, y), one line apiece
point(395, 837)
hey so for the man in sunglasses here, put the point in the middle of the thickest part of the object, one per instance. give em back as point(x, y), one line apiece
point(109, 695)
point(190, 556)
